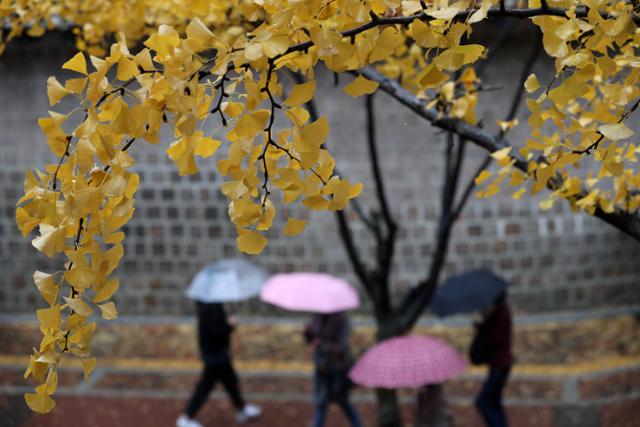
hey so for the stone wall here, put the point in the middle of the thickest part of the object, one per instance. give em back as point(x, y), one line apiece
point(555, 260)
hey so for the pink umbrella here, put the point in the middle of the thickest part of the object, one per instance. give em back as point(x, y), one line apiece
point(408, 361)
point(310, 292)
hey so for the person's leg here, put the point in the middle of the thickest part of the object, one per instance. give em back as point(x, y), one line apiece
point(229, 379)
point(489, 400)
point(501, 376)
point(320, 399)
point(351, 413)
point(202, 390)
point(484, 402)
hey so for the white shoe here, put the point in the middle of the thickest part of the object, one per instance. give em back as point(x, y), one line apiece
point(249, 412)
point(185, 421)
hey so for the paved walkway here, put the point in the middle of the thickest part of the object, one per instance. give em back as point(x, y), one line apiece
point(146, 370)
point(134, 392)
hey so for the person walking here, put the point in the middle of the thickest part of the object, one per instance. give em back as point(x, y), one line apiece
point(329, 334)
point(214, 332)
point(492, 345)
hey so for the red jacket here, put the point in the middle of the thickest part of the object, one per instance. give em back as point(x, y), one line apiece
point(495, 331)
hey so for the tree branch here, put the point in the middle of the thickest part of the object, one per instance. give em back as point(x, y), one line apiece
point(386, 245)
point(623, 221)
point(378, 21)
point(352, 252)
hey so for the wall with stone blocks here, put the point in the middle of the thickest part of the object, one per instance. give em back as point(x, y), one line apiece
point(555, 260)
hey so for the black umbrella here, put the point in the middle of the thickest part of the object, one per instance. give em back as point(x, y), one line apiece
point(471, 291)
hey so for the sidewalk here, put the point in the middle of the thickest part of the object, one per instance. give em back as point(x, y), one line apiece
point(146, 371)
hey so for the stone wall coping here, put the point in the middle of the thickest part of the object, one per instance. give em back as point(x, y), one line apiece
point(358, 320)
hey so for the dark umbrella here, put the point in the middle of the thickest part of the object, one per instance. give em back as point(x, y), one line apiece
point(471, 291)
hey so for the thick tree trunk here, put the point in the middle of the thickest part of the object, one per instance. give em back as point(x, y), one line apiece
point(388, 407)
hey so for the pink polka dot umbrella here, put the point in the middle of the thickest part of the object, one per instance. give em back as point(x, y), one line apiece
point(407, 361)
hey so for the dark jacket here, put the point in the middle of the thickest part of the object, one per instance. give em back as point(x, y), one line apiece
point(330, 335)
point(495, 333)
point(214, 332)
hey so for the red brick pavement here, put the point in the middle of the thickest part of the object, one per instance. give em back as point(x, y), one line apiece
point(79, 411)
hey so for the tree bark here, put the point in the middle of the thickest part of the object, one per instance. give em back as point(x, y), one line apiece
point(388, 408)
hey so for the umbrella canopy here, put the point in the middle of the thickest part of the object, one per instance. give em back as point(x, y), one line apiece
point(310, 292)
point(467, 292)
point(407, 361)
point(227, 280)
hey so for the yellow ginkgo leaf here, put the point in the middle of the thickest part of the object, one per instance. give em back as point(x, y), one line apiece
point(78, 64)
point(40, 403)
point(616, 131)
point(127, 68)
point(108, 310)
point(502, 153)
point(46, 285)
point(55, 91)
point(390, 38)
point(482, 177)
point(531, 84)
point(107, 290)
point(79, 306)
point(51, 240)
point(251, 242)
point(301, 94)
point(132, 185)
point(518, 194)
point(206, 147)
point(49, 318)
point(26, 223)
point(88, 365)
point(81, 277)
point(361, 86)
point(317, 203)
point(432, 77)
point(294, 227)
point(455, 57)
point(546, 204)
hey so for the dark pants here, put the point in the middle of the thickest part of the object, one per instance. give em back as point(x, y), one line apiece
point(489, 401)
point(220, 371)
point(332, 387)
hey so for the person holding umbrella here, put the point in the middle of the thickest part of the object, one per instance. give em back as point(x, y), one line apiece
point(329, 335)
point(328, 298)
point(492, 345)
point(482, 290)
point(229, 280)
point(412, 361)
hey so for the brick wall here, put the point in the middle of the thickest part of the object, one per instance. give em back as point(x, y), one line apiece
point(555, 260)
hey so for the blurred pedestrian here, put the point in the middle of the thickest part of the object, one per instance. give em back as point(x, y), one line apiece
point(492, 346)
point(329, 334)
point(214, 333)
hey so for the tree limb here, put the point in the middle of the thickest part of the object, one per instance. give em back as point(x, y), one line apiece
point(623, 221)
point(387, 244)
point(378, 21)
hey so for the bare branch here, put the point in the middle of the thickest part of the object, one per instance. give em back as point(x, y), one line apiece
point(469, 188)
point(352, 252)
point(386, 245)
point(375, 165)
